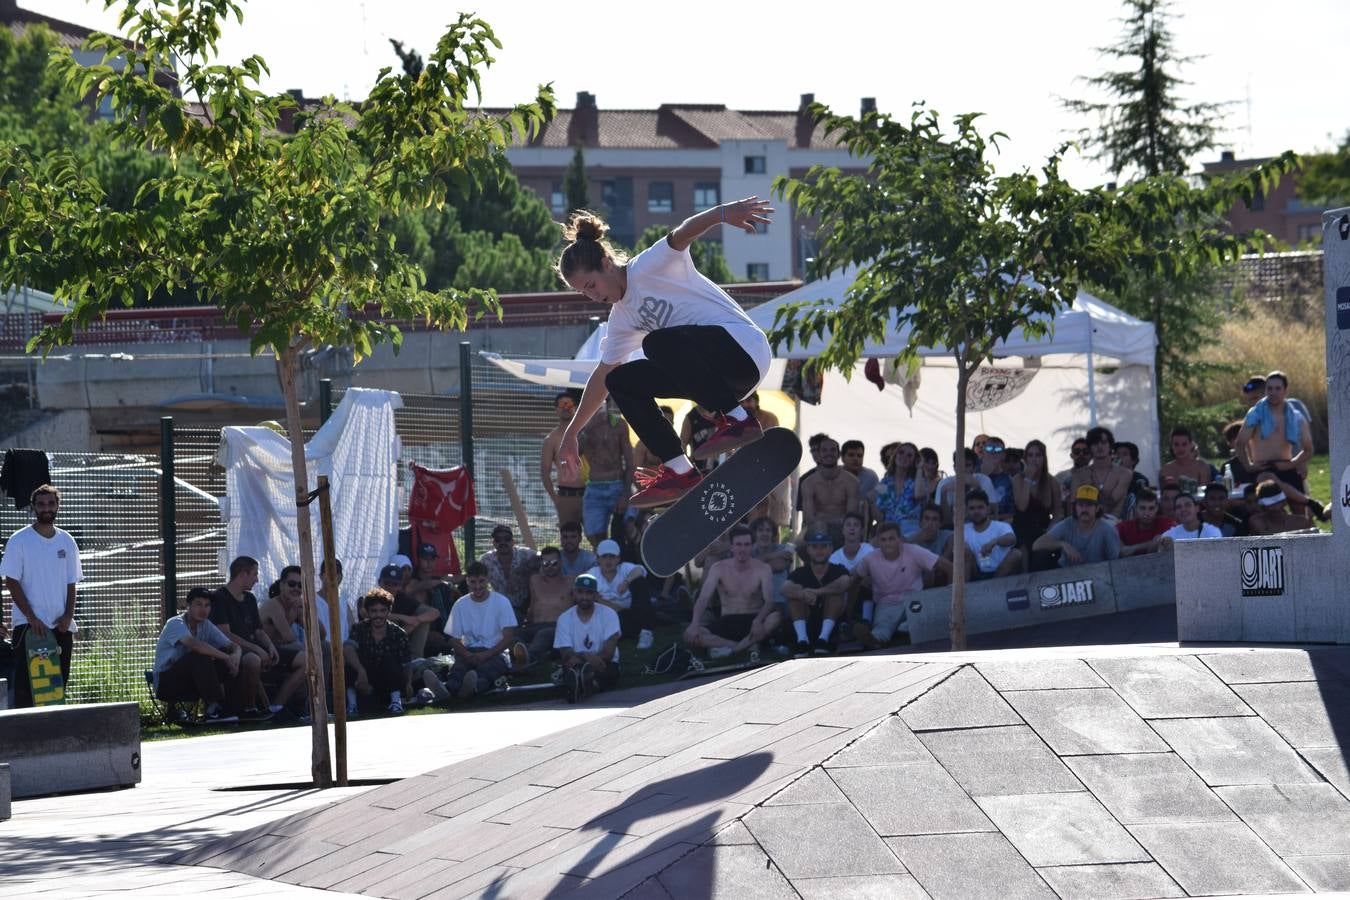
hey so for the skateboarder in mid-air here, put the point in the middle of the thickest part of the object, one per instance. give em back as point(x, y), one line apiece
point(698, 343)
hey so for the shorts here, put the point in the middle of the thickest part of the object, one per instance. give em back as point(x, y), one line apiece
point(735, 627)
point(288, 653)
point(886, 621)
point(597, 506)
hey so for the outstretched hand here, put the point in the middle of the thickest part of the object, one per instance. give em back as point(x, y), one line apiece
point(745, 214)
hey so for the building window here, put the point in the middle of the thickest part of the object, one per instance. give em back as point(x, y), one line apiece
point(660, 197)
point(757, 271)
point(754, 165)
point(557, 200)
point(707, 194)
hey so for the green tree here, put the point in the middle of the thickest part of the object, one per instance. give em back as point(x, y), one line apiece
point(288, 237)
point(1145, 127)
point(575, 186)
point(707, 255)
point(945, 248)
point(1325, 180)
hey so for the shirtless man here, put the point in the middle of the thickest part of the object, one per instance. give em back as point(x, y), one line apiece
point(745, 586)
point(279, 615)
point(1190, 471)
point(550, 597)
point(1111, 480)
point(603, 443)
point(1272, 514)
point(829, 494)
point(566, 493)
point(1274, 437)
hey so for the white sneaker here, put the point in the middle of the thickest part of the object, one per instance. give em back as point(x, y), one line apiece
point(719, 652)
point(645, 639)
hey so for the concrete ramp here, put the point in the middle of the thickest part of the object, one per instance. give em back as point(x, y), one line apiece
point(1140, 772)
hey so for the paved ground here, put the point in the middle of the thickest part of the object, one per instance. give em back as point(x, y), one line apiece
point(1084, 772)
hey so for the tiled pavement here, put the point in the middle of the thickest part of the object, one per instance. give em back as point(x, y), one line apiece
point(1113, 772)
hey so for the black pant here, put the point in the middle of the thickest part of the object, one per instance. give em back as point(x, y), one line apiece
point(702, 363)
point(195, 676)
point(640, 614)
point(23, 691)
point(385, 673)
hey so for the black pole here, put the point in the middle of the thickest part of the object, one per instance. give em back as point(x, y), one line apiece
point(466, 435)
point(168, 529)
point(325, 399)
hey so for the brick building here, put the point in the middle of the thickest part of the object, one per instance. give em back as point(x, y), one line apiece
point(1280, 213)
point(658, 166)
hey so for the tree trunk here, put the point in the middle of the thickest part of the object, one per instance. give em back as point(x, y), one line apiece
point(320, 768)
point(958, 615)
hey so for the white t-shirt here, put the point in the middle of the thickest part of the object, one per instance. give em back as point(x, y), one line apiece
point(665, 290)
point(975, 541)
point(479, 623)
point(43, 567)
point(979, 478)
point(839, 559)
point(321, 611)
point(586, 637)
point(1180, 533)
point(609, 589)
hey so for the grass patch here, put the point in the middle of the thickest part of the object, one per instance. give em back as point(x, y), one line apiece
point(1319, 485)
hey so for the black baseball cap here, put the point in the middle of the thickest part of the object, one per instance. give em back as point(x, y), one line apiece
point(818, 537)
point(427, 550)
point(391, 572)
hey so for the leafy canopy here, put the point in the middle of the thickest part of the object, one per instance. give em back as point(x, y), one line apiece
point(1326, 176)
point(291, 238)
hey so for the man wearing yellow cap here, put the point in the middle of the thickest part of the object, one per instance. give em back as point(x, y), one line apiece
point(1083, 538)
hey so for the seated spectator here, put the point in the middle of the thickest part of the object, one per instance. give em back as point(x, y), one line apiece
point(1126, 455)
point(1036, 503)
point(927, 477)
point(234, 610)
point(1084, 538)
point(550, 597)
point(1078, 457)
point(993, 466)
point(816, 591)
point(975, 481)
point(1272, 515)
point(509, 568)
point(776, 555)
point(848, 556)
point(1112, 481)
point(281, 615)
point(1168, 493)
point(292, 585)
point(830, 493)
point(623, 588)
point(892, 573)
point(404, 564)
point(852, 456)
point(1189, 526)
point(409, 613)
point(195, 660)
point(1214, 510)
point(937, 540)
point(378, 655)
point(428, 589)
point(482, 626)
point(1140, 533)
point(990, 543)
point(586, 641)
point(576, 559)
point(744, 585)
point(1189, 470)
point(895, 498)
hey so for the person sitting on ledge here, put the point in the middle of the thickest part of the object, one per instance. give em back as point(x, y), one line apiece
point(482, 626)
point(817, 591)
point(196, 660)
point(586, 639)
point(1190, 526)
point(893, 572)
point(1272, 514)
point(1084, 538)
point(989, 541)
point(1140, 533)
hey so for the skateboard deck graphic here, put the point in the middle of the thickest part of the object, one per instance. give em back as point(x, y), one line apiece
point(42, 655)
point(720, 500)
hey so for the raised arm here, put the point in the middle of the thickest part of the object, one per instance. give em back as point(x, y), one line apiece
point(742, 214)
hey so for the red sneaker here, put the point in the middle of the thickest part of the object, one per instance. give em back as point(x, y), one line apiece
point(661, 486)
point(730, 434)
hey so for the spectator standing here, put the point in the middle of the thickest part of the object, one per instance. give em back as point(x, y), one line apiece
point(1111, 480)
point(896, 498)
point(816, 591)
point(234, 610)
point(990, 542)
point(587, 642)
point(379, 659)
point(550, 597)
point(852, 460)
point(1186, 466)
point(565, 492)
point(1036, 503)
point(829, 494)
point(893, 572)
point(1276, 437)
point(605, 447)
point(1141, 532)
point(482, 626)
point(509, 567)
point(196, 660)
point(745, 587)
point(1189, 526)
point(813, 447)
point(1084, 538)
point(1272, 514)
point(40, 568)
point(575, 559)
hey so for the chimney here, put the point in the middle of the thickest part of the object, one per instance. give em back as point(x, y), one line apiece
point(805, 126)
point(585, 127)
point(869, 105)
point(1226, 156)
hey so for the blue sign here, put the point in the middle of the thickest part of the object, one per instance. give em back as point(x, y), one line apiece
point(1018, 600)
point(1343, 308)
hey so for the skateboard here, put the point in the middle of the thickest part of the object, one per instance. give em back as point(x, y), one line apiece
point(43, 657)
point(719, 501)
point(700, 669)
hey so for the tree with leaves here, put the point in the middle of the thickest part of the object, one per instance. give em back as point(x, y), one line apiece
point(1325, 179)
point(959, 256)
point(575, 186)
point(288, 237)
point(707, 255)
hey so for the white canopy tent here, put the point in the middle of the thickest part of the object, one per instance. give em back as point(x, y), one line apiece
point(1096, 367)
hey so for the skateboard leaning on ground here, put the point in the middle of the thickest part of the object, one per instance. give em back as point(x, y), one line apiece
point(42, 655)
point(719, 501)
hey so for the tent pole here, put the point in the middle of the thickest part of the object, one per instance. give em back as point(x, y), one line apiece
point(1092, 382)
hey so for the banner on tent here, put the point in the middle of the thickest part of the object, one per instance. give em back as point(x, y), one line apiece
point(990, 387)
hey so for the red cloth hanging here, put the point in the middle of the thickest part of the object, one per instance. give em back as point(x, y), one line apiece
point(441, 501)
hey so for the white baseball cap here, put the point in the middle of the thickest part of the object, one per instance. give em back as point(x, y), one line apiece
point(398, 559)
point(607, 548)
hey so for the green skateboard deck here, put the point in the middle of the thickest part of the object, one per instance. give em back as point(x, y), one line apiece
point(42, 655)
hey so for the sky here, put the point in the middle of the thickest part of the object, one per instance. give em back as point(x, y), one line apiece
point(1011, 61)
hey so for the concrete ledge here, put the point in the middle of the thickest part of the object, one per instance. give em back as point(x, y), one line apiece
point(56, 749)
point(4, 694)
point(1019, 601)
point(1283, 588)
point(5, 790)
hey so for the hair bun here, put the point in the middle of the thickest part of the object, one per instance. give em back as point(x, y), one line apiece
point(585, 226)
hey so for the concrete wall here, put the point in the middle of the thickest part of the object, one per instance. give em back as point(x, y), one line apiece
point(67, 431)
point(1019, 601)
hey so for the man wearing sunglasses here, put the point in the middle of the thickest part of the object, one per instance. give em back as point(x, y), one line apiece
point(550, 597)
point(992, 458)
point(509, 568)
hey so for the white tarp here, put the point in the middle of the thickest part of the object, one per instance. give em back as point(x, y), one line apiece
point(358, 449)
